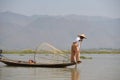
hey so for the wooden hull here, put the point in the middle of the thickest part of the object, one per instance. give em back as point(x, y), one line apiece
point(10, 62)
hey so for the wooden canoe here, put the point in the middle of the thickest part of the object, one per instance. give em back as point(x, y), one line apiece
point(10, 62)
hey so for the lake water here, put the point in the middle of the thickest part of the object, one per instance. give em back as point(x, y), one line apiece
point(100, 67)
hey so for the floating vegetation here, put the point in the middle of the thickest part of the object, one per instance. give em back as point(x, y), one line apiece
point(21, 54)
point(83, 57)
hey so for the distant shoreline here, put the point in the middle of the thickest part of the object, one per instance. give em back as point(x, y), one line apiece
point(63, 52)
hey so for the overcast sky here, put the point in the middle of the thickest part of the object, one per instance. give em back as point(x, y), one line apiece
point(109, 8)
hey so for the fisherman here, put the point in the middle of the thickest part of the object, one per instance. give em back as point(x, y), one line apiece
point(75, 48)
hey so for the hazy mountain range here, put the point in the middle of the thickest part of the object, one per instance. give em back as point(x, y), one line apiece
point(27, 32)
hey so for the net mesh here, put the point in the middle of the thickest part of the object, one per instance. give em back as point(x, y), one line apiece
point(49, 54)
point(47, 48)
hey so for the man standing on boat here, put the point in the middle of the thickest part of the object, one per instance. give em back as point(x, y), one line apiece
point(75, 48)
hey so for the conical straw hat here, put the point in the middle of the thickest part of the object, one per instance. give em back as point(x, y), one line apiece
point(82, 35)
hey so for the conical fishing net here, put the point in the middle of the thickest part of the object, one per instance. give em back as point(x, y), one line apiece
point(49, 54)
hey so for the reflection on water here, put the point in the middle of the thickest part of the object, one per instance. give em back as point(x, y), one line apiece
point(75, 75)
point(21, 73)
point(100, 67)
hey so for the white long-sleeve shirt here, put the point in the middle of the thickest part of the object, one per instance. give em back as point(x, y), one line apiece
point(78, 41)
